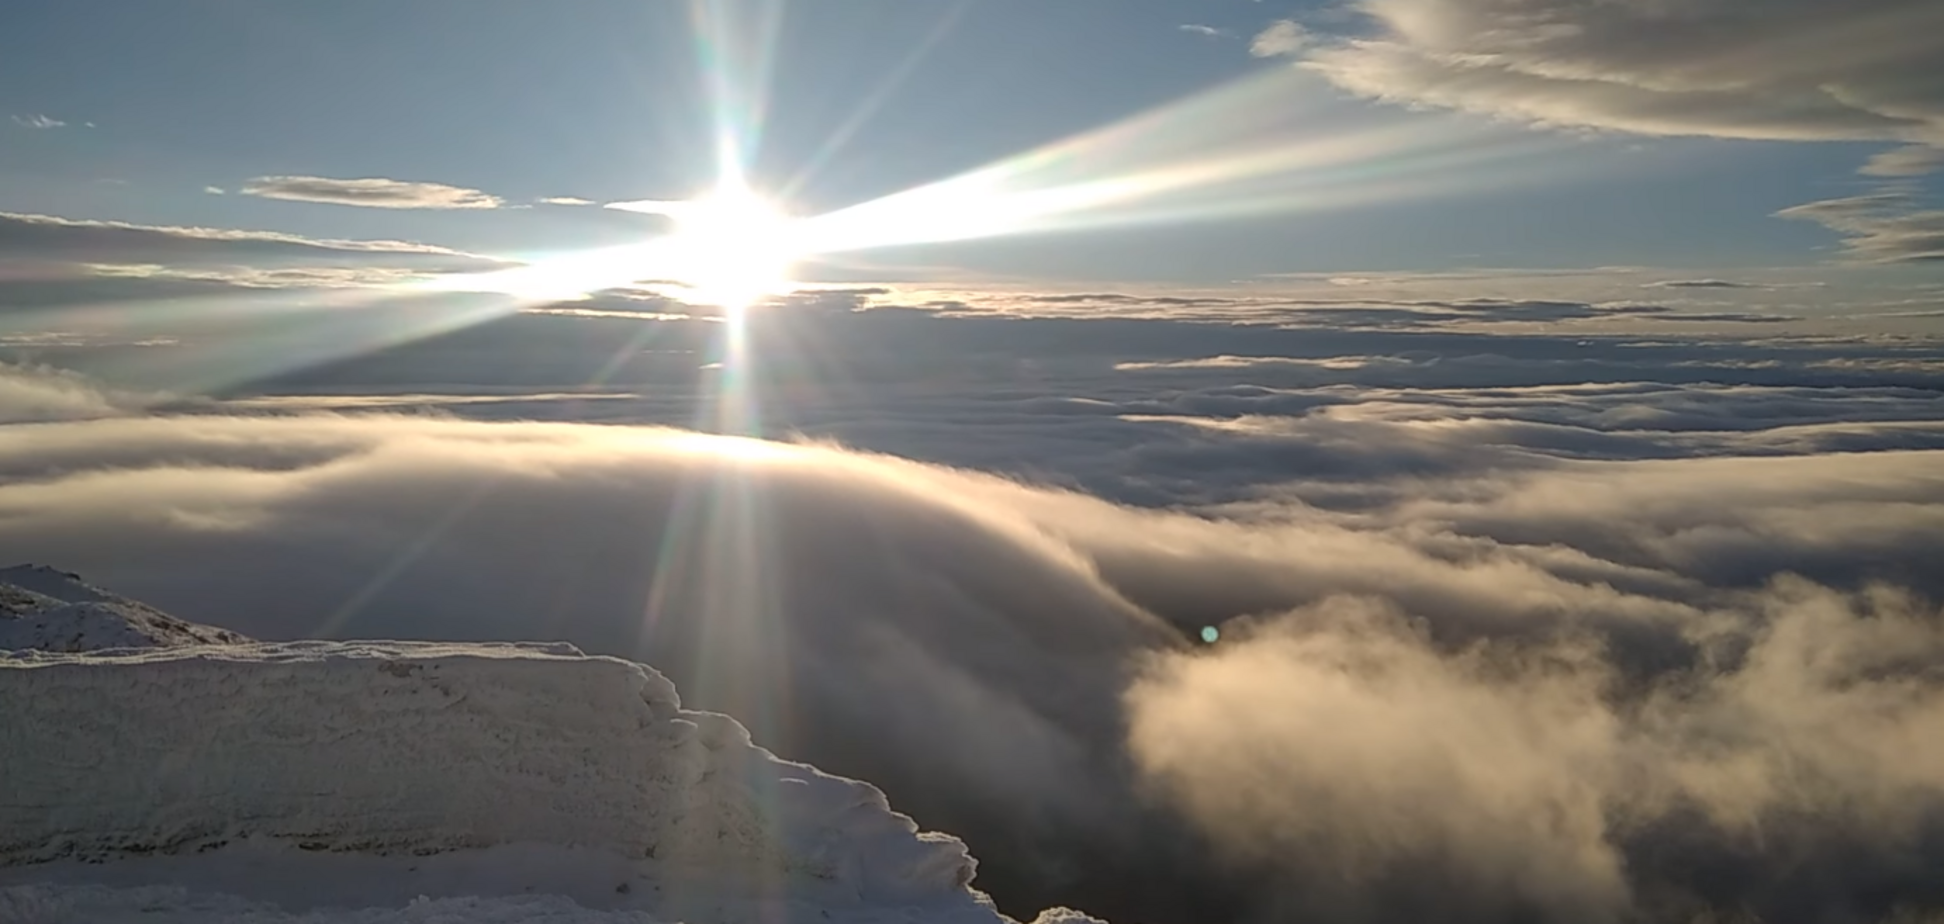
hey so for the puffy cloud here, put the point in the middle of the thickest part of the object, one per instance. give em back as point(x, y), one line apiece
point(1383, 777)
point(1783, 69)
point(1282, 37)
point(1342, 750)
point(371, 192)
point(1880, 227)
point(30, 394)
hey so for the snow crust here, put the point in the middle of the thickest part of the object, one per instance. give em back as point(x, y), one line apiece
point(51, 610)
point(485, 774)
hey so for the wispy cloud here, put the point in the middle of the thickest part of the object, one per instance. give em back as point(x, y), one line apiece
point(1879, 228)
point(370, 192)
point(1911, 160)
point(1202, 30)
point(38, 121)
point(1722, 68)
point(1698, 284)
point(565, 200)
point(68, 248)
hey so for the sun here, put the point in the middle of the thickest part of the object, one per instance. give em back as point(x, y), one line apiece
point(731, 248)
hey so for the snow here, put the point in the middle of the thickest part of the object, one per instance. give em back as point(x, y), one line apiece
point(51, 610)
point(407, 782)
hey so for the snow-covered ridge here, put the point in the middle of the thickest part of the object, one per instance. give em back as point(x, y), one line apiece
point(408, 750)
point(51, 610)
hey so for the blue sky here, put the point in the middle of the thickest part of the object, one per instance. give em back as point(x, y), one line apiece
point(608, 100)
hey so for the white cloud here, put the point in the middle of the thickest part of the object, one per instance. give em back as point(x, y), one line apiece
point(1759, 69)
point(214, 190)
point(1201, 30)
point(566, 200)
point(37, 393)
point(371, 192)
point(1339, 744)
point(38, 121)
point(1282, 37)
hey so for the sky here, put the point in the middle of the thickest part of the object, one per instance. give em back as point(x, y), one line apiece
point(1542, 399)
point(123, 111)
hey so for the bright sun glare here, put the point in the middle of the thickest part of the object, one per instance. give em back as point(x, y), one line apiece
point(1206, 156)
point(729, 248)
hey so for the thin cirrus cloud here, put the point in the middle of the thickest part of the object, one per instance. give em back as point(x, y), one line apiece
point(1884, 227)
point(370, 192)
point(38, 121)
point(48, 237)
point(1790, 70)
point(1699, 284)
point(1910, 160)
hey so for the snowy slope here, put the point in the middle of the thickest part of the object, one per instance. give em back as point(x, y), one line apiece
point(290, 782)
point(50, 610)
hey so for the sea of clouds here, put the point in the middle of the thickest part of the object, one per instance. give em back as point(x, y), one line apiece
point(1530, 608)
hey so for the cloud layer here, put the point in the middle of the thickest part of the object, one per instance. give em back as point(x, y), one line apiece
point(1569, 693)
point(1536, 601)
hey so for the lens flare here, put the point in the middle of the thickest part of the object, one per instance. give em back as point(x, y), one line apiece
point(730, 248)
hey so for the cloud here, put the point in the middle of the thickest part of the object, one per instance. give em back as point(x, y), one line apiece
point(371, 192)
point(33, 394)
point(46, 237)
point(1566, 533)
point(1788, 70)
point(566, 200)
point(988, 652)
point(1466, 610)
point(1911, 160)
point(1698, 284)
point(38, 121)
point(215, 190)
point(1341, 748)
point(1282, 37)
point(1204, 31)
point(1882, 227)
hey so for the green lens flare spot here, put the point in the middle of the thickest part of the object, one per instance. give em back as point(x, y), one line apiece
point(1211, 635)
